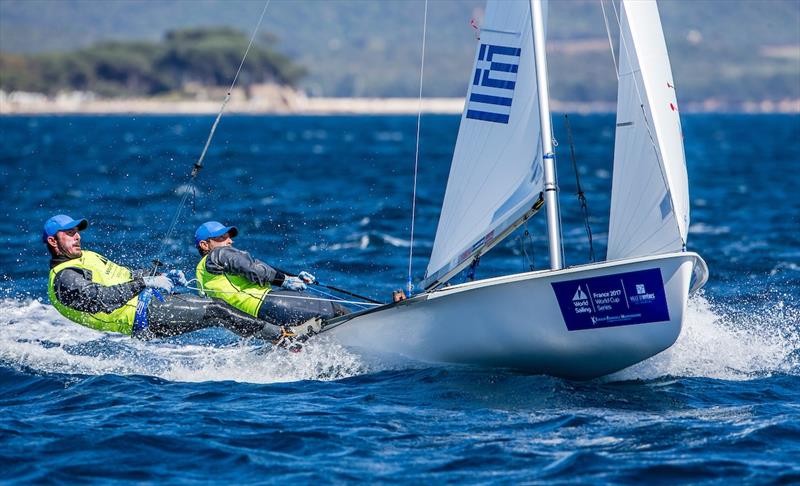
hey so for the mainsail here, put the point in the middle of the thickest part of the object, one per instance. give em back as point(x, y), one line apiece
point(650, 193)
point(496, 174)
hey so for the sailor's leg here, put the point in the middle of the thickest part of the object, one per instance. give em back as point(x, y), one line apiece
point(177, 314)
point(286, 308)
point(182, 313)
point(243, 324)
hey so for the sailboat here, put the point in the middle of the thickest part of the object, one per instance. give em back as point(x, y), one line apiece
point(576, 322)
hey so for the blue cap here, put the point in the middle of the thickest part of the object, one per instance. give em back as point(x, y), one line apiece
point(62, 222)
point(212, 229)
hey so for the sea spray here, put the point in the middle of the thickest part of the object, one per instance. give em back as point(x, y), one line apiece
point(728, 343)
point(34, 336)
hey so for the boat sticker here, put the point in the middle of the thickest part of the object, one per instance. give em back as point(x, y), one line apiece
point(612, 300)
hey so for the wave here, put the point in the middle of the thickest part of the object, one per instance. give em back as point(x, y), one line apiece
point(364, 240)
point(728, 343)
point(188, 188)
point(707, 229)
point(35, 337)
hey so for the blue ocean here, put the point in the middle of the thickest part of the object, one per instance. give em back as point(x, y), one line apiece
point(333, 195)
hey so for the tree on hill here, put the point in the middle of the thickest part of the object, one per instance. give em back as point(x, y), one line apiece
point(206, 56)
point(210, 56)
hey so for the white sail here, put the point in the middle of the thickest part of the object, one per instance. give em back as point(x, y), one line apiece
point(650, 193)
point(496, 174)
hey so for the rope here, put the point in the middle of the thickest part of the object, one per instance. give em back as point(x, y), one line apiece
point(199, 164)
point(340, 301)
point(527, 259)
point(472, 267)
point(334, 298)
point(409, 284)
point(581, 196)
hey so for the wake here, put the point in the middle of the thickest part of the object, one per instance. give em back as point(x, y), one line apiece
point(716, 342)
point(34, 336)
point(728, 343)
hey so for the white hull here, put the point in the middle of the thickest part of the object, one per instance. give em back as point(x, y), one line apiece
point(519, 321)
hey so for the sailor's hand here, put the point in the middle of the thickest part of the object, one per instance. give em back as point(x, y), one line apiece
point(293, 283)
point(159, 282)
point(307, 277)
point(177, 277)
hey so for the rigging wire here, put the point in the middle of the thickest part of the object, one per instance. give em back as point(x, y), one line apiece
point(581, 196)
point(335, 289)
point(527, 260)
point(409, 284)
point(332, 298)
point(199, 163)
point(610, 42)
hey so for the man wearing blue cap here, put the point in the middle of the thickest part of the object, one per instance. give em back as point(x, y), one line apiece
point(246, 283)
point(91, 290)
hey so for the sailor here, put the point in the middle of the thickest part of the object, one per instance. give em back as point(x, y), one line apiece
point(93, 291)
point(251, 285)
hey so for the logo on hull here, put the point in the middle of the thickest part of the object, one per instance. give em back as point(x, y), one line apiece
point(612, 300)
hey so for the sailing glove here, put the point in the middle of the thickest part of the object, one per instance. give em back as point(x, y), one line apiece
point(178, 278)
point(293, 283)
point(307, 277)
point(159, 282)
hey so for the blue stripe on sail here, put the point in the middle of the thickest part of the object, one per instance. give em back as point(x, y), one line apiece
point(477, 78)
point(503, 67)
point(496, 83)
point(492, 100)
point(486, 116)
point(482, 52)
point(508, 51)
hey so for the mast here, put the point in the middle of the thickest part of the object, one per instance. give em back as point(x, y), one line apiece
point(550, 183)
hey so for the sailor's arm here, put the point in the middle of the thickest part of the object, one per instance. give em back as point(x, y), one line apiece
point(74, 288)
point(237, 262)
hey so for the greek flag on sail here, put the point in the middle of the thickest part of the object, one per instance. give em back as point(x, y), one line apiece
point(496, 173)
point(493, 85)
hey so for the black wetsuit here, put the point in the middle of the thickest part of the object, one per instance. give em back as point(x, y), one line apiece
point(178, 314)
point(283, 307)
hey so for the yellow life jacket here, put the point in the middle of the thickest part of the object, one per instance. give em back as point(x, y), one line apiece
point(233, 289)
point(106, 273)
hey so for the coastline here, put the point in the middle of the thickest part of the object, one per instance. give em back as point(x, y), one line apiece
point(290, 102)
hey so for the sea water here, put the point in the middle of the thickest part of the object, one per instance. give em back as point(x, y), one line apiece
point(332, 195)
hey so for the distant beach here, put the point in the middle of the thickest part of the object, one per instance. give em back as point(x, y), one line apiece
point(288, 101)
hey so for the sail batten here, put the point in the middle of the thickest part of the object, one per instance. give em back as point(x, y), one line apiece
point(496, 173)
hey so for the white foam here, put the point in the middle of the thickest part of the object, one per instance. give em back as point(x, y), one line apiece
point(707, 229)
point(362, 241)
point(728, 344)
point(190, 188)
point(716, 342)
point(35, 336)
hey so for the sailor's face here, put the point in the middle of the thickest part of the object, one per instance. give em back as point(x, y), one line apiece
point(68, 243)
point(223, 240)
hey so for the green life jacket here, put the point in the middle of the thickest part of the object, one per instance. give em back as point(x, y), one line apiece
point(233, 289)
point(106, 273)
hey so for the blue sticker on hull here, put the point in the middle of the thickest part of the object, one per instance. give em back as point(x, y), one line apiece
point(613, 300)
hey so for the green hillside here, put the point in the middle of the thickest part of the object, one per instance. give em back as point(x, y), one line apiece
point(193, 56)
point(728, 50)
